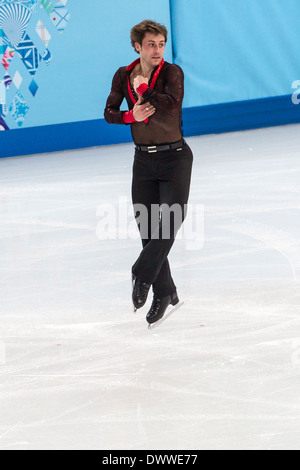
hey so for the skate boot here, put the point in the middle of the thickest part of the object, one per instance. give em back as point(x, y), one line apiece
point(159, 307)
point(140, 292)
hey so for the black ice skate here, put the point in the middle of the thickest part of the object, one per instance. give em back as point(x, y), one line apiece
point(140, 292)
point(159, 307)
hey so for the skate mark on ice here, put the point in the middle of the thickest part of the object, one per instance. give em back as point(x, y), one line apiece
point(277, 240)
point(15, 426)
point(165, 317)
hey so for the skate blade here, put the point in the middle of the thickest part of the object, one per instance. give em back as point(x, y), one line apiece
point(134, 309)
point(165, 317)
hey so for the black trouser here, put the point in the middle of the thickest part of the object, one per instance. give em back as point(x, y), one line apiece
point(160, 178)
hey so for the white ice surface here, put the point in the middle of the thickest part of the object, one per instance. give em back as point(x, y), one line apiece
point(79, 370)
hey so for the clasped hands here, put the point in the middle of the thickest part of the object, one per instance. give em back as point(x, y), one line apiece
point(141, 110)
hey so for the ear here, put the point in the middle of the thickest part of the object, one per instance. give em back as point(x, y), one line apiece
point(137, 47)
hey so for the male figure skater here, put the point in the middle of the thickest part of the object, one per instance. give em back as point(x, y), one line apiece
point(163, 161)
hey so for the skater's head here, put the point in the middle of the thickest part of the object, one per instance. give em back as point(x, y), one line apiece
point(149, 40)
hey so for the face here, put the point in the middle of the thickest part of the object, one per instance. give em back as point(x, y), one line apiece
point(152, 49)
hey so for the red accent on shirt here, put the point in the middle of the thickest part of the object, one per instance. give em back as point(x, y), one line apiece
point(128, 117)
point(156, 74)
point(131, 66)
point(142, 88)
point(132, 96)
point(130, 91)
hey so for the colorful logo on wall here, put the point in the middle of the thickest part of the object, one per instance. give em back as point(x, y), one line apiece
point(24, 49)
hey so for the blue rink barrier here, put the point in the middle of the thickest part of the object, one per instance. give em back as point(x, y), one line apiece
point(240, 115)
point(227, 117)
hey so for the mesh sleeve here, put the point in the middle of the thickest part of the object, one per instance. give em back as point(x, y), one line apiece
point(112, 112)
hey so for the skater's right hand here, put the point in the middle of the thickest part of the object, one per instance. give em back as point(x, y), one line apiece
point(142, 111)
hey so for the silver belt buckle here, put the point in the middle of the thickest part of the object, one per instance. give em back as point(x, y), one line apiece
point(154, 149)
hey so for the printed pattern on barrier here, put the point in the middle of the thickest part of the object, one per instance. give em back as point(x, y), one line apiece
point(30, 44)
point(2, 44)
point(60, 16)
point(7, 57)
point(43, 32)
point(29, 54)
point(14, 18)
point(19, 109)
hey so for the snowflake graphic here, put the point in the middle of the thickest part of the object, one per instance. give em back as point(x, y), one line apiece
point(15, 41)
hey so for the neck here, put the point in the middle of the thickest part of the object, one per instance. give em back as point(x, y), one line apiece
point(146, 69)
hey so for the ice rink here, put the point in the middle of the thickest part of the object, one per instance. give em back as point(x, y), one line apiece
point(80, 370)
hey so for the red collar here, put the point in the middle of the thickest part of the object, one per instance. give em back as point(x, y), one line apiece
point(155, 76)
point(156, 73)
point(131, 66)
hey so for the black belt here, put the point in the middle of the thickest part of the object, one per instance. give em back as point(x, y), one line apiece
point(160, 148)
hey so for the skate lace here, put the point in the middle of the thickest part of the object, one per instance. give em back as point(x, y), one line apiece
point(141, 291)
point(155, 306)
